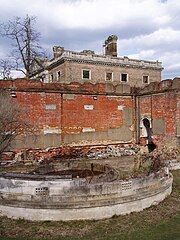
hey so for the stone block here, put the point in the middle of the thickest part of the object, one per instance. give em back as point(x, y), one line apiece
point(68, 96)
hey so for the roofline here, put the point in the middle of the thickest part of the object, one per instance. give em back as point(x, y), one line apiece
point(95, 59)
point(84, 61)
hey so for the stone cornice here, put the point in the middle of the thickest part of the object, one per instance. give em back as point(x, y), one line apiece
point(94, 59)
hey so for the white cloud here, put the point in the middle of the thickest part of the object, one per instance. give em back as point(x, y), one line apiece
point(102, 13)
point(90, 13)
point(166, 39)
point(147, 29)
point(162, 45)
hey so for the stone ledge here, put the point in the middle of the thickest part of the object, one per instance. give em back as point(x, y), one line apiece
point(69, 200)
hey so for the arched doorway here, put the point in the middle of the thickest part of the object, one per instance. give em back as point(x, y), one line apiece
point(147, 125)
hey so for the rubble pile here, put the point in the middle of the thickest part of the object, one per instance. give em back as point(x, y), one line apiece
point(112, 151)
point(152, 162)
point(38, 156)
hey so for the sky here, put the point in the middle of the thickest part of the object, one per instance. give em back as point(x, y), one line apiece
point(146, 29)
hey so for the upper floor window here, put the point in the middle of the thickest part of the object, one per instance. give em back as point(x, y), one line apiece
point(109, 76)
point(124, 77)
point(58, 75)
point(145, 79)
point(86, 74)
point(51, 78)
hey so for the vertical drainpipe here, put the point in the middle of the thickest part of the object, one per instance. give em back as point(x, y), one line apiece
point(151, 114)
point(136, 119)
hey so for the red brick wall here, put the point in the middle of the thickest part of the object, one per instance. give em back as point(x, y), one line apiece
point(70, 116)
point(105, 113)
point(161, 106)
point(60, 108)
point(35, 103)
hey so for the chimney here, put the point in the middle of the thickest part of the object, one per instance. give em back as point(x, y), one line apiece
point(110, 46)
point(57, 51)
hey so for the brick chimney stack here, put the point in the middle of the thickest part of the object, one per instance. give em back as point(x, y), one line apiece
point(57, 51)
point(110, 46)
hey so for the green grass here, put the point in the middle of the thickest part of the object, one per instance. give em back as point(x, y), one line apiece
point(161, 222)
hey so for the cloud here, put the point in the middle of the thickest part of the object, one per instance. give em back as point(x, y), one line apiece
point(90, 14)
point(100, 14)
point(147, 29)
point(166, 39)
point(162, 45)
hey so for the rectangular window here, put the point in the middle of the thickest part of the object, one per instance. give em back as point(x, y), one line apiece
point(145, 79)
point(58, 75)
point(109, 76)
point(86, 74)
point(124, 77)
point(51, 78)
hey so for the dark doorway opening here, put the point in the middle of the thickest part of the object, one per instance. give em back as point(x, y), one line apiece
point(151, 145)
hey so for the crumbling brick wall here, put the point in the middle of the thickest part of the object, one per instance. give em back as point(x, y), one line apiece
point(161, 106)
point(92, 114)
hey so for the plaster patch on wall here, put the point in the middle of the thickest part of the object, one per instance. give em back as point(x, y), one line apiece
point(118, 98)
point(122, 134)
point(178, 128)
point(159, 126)
point(68, 96)
point(88, 107)
point(120, 107)
point(88, 129)
point(50, 107)
point(52, 131)
point(127, 116)
point(42, 94)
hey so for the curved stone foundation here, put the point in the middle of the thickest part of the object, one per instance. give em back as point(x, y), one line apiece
point(52, 198)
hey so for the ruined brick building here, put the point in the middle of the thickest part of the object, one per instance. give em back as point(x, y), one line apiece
point(87, 99)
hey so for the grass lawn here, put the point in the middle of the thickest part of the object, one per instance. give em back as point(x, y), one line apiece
point(160, 222)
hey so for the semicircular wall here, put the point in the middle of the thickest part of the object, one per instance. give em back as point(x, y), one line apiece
point(41, 197)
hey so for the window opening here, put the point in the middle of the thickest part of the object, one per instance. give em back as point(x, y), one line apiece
point(145, 79)
point(58, 75)
point(86, 74)
point(124, 77)
point(109, 76)
point(51, 78)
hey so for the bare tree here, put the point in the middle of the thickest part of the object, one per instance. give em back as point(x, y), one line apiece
point(5, 68)
point(25, 40)
point(12, 121)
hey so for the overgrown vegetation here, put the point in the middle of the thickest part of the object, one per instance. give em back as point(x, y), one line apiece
point(161, 222)
point(12, 122)
point(146, 163)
